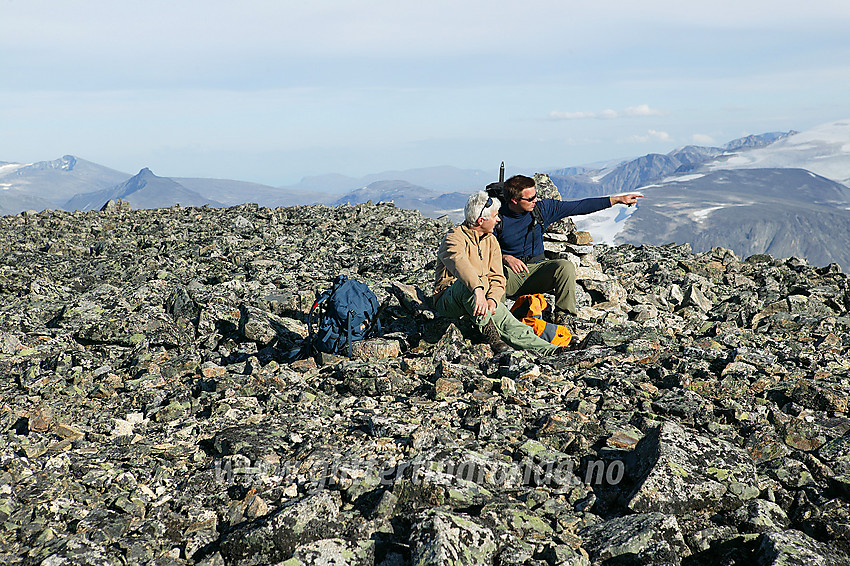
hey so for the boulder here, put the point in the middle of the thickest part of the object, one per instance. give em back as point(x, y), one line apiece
point(679, 472)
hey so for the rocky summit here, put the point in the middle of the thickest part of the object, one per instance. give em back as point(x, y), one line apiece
point(150, 412)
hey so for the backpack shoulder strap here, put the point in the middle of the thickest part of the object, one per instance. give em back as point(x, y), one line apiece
point(348, 332)
point(537, 216)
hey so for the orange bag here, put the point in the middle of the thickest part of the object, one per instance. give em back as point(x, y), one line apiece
point(529, 309)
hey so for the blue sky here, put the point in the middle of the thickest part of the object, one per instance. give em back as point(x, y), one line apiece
point(272, 91)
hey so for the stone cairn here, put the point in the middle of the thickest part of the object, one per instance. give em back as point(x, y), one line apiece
point(598, 295)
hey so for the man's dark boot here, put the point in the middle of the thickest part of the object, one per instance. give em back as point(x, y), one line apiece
point(491, 334)
point(563, 318)
point(593, 338)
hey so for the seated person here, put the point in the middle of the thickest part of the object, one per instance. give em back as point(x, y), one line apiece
point(521, 239)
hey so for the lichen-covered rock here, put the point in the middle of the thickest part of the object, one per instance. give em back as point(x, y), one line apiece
point(793, 548)
point(276, 537)
point(836, 454)
point(333, 552)
point(759, 516)
point(646, 538)
point(376, 349)
point(680, 472)
point(444, 539)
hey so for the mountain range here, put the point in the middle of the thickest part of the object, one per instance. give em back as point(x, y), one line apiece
point(50, 184)
point(782, 193)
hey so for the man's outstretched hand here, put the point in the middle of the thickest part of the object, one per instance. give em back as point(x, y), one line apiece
point(629, 199)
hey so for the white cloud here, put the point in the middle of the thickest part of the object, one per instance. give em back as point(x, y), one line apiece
point(651, 136)
point(703, 139)
point(557, 115)
point(608, 114)
point(642, 110)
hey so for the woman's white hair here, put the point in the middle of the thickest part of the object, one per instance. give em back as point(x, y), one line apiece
point(476, 207)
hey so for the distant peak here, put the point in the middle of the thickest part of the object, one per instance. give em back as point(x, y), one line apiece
point(65, 163)
point(756, 141)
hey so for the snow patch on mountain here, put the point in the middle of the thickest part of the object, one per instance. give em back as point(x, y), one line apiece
point(605, 224)
point(6, 168)
point(674, 179)
point(702, 214)
point(824, 150)
point(685, 178)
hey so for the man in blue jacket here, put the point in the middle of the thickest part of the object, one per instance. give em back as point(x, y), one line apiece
point(521, 239)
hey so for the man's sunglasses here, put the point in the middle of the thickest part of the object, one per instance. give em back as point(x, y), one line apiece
point(530, 199)
point(486, 206)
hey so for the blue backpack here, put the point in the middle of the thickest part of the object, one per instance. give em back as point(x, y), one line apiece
point(345, 313)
